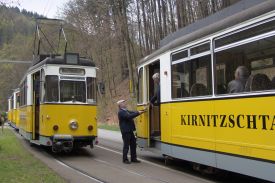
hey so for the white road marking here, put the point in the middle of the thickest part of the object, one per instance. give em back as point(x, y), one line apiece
point(92, 178)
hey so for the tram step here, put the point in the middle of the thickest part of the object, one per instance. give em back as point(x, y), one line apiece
point(35, 142)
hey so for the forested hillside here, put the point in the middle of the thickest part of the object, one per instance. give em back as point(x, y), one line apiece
point(117, 33)
point(16, 38)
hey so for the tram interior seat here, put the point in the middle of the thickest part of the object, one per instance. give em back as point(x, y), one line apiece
point(182, 91)
point(273, 82)
point(258, 82)
point(222, 88)
point(198, 89)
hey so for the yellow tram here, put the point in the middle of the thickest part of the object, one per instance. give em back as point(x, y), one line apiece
point(13, 111)
point(9, 109)
point(198, 120)
point(58, 102)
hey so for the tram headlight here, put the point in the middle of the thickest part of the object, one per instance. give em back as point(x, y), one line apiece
point(73, 125)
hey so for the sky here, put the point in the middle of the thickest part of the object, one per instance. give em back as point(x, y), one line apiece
point(48, 8)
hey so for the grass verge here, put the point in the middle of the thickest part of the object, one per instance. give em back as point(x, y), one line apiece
point(108, 127)
point(18, 165)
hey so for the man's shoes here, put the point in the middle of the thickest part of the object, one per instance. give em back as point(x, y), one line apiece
point(135, 161)
point(126, 161)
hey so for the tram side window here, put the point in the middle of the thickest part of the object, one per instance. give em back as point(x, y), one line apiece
point(42, 86)
point(22, 96)
point(91, 90)
point(140, 86)
point(12, 103)
point(21, 101)
point(25, 92)
point(192, 78)
point(51, 88)
point(257, 56)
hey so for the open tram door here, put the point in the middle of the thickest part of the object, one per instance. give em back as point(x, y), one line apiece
point(36, 105)
point(153, 110)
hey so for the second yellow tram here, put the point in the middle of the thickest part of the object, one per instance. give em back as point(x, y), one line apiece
point(58, 102)
point(198, 119)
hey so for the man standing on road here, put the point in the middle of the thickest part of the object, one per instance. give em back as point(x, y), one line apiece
point(127, 128)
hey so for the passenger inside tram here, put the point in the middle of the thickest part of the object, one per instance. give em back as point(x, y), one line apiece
point(238, 84)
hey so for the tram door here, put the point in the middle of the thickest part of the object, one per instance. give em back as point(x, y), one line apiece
point(36, 104)
point(154, 111)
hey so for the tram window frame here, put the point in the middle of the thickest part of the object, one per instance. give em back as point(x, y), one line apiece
point(55, 98)
point(91, 86)
point(42, 86)
point(200, 49)
point(197, 63)
point(11, 103)
point(247, 32)
point(66, 82)
point(21, 102)
point(72, 71)
point(248, 59)
point(180, 55)
point(22, 94)
point(25, 92)
point(140, 96)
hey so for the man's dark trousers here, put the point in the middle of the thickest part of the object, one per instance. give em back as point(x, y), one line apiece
point(129, 139)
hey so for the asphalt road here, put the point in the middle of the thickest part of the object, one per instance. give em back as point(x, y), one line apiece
point(103, 163)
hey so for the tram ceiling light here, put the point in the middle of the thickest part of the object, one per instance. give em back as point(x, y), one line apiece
point(73, 125)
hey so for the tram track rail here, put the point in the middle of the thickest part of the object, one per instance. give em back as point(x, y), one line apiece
point(123, 169)
point(79, 171)
point(96, 179)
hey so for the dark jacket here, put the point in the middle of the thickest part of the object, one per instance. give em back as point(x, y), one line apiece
point(236, 86)
point(126, 120)
point(156, 97)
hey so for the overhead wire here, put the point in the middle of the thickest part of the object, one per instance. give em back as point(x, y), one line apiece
point(45, 7)
point(49, 8)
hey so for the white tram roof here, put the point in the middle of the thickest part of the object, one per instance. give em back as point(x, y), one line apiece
point(228, 17)
point(42, 60)
point(59, 60)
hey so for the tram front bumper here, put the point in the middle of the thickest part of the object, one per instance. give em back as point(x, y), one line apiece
point(62, 143)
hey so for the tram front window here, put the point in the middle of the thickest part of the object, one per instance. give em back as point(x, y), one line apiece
point(74, 91)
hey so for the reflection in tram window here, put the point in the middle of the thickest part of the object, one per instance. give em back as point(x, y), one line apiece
point(72, 91)
point(192, 78)
point(140, 86)
point(51, 94)
point(91, 90)
point(260, 63)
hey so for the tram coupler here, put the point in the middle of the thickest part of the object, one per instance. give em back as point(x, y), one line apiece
point(62, 143)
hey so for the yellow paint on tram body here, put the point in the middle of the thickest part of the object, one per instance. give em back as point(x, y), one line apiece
point(26, 118)
point(142, 124)
point(62, 115)
point(243, 126)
